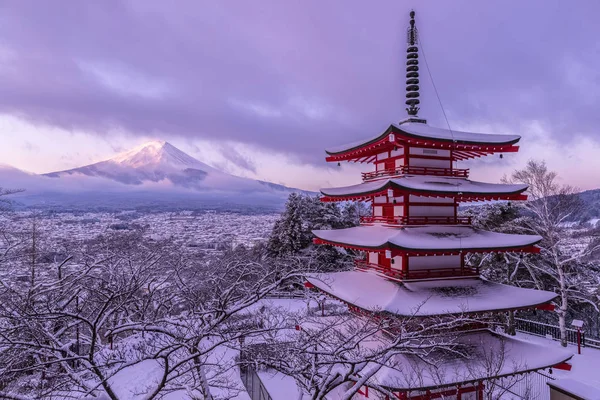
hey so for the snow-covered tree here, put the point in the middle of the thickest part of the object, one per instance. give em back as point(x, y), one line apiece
point(120, 302)
point(559, 266)
point(292, 233)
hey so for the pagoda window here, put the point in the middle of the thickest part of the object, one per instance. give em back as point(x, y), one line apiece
point(380, 166)
point(399, 162)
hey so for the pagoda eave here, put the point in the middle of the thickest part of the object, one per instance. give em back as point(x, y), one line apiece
point(427, 240)
point(398, 250)
point(518, 357)
point(470, 198)
point(545, 306)
point(461, 189)
point(373, 293)
point(395, 137)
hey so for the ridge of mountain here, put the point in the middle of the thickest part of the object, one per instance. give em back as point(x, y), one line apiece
point(153, 172)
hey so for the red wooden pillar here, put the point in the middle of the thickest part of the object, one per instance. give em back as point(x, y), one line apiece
point(480, 391)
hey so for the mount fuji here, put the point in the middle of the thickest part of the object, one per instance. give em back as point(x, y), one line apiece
point(153, 174)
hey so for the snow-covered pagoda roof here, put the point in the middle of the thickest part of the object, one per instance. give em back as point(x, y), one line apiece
point(428, 186)
point(372, 292)
point(491, 355)
point(433, 238)
point(414, 131)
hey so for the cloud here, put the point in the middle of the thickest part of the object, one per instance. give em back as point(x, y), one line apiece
point(30, 147)
point(296, 77)
point(239, 159)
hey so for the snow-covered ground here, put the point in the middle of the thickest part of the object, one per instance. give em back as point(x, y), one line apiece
point(586, 366)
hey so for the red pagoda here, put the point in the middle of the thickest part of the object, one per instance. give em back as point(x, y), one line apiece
point(415, 244)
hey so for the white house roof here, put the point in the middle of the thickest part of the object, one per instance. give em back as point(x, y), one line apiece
point(422, 130)
point(430, 184)
point(370, 291)
point(490, 355)
point(427, 238)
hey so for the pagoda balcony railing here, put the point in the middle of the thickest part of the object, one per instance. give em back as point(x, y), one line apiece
point(405, 169)
point(417, 274)
point(451, 220)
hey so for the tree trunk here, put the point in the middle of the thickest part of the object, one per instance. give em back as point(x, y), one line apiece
point(564, 305)
point(562, 323)
point(201, 373)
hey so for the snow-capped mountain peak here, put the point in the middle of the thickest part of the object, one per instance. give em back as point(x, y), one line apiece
point(161, 162)
point(157, 153)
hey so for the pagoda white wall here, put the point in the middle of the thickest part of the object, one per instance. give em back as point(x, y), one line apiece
point(427, 162)
point(430, 211)
point(416, 161)
point(378, 211)
point(433, 262)
point(373, 258)
point(383, 156)
point(420, 151)
point(424, 199)
point(397, 264)
point(380, 199)
point(396, 153)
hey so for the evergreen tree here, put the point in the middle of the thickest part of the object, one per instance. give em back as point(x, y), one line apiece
point(292, 234)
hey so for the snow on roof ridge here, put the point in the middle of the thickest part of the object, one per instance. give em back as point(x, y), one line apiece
point(420, 128)
point(429, 237)
point(373, 292)
point(427, 183)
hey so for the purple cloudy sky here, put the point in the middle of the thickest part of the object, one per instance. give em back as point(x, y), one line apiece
point(261, 78)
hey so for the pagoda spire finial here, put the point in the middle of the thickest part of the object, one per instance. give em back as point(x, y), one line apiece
point(412, 68)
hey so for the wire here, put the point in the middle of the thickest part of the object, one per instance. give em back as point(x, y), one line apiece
point(445, 116)
point(435, 89)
